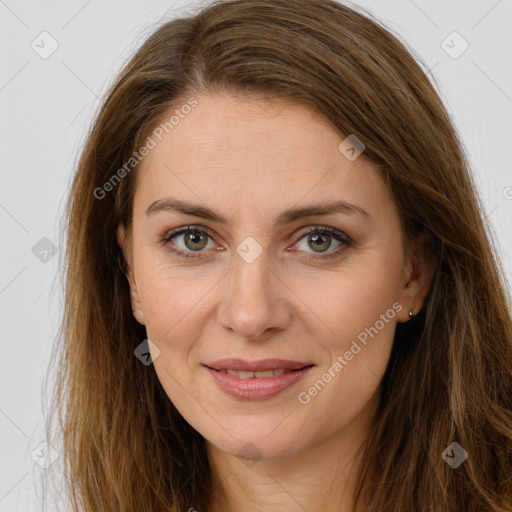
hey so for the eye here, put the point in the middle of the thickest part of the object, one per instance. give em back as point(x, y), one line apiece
point(190, 240)
point(320, 240)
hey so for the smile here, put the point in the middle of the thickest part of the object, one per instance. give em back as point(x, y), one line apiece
point(257, 385)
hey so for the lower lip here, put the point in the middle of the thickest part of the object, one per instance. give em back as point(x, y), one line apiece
point(257, 389)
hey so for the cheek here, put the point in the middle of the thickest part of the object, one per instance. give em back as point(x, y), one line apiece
point(358, 357)
point(173, 313)
point(348, 300)
point(168, 293)
point(165, 301)
point(177, 303)
point(359, 307)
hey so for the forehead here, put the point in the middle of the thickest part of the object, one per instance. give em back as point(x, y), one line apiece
point(254, 153)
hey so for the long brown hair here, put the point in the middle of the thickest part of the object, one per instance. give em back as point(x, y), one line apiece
point(125, 447)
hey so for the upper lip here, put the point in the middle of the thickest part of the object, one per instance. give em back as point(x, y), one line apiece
point(257, 366)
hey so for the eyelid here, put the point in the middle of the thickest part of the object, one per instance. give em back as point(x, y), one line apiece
point(168, 235)
point(323, 229)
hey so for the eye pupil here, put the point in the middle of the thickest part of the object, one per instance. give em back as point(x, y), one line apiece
point(315, 238)
point(194, 238)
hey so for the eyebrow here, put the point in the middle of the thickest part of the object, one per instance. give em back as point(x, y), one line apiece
point(177, 206)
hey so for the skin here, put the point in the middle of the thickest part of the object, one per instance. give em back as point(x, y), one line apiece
point(249, 159)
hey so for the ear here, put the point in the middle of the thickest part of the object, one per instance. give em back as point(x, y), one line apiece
point(134, 293)
point(417, 280)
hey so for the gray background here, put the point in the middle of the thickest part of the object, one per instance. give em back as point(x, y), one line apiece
point(46, 105)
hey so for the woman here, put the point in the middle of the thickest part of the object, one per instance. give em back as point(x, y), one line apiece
point(280, 291)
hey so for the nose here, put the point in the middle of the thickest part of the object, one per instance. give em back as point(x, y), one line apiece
point(254, 301)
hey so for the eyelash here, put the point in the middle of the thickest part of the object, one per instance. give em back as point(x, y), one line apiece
point(345, 241)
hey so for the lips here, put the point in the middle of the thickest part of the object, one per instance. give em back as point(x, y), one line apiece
point(242, 366)
point(257, 380)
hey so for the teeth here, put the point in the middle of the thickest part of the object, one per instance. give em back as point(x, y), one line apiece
point(258, 375)
point(244, 375)
point(264, 375)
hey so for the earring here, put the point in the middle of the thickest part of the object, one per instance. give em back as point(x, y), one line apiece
point(411, 315)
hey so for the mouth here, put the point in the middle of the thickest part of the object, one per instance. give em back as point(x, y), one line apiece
point(263, 365)
point(241, 374)
point(256, 380)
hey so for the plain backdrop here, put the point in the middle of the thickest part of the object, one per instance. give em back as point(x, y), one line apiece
point(47, 103)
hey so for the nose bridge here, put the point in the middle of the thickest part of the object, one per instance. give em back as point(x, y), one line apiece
point(250, 274)
point(252, 303)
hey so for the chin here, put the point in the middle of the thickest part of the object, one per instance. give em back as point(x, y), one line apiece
point(263, 441)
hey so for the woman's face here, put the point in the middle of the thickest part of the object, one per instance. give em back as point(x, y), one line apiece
point(263, 278)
